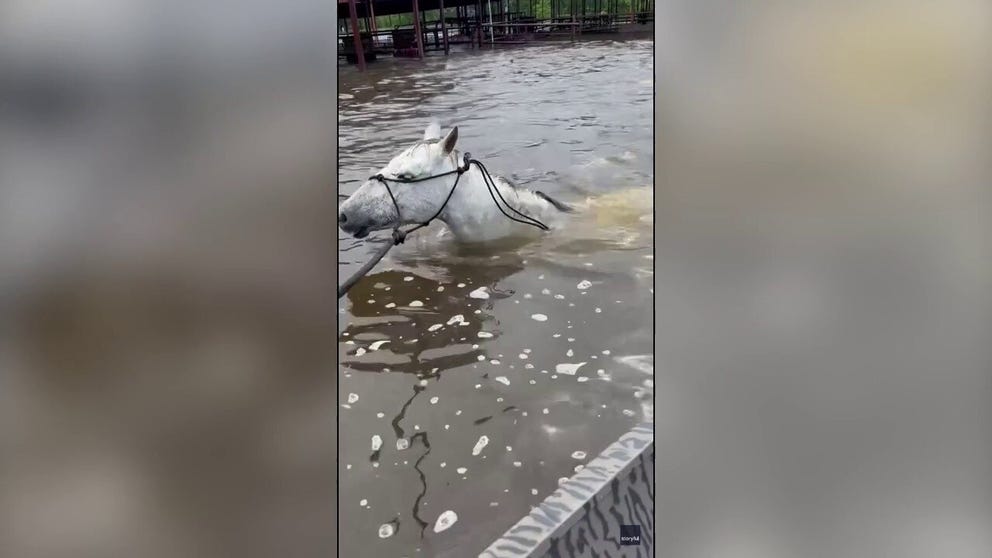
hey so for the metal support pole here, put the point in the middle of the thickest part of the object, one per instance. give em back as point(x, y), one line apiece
point(359, 49)
point(491, 39)
point(444, 29)
point(375, 24)
point(572, 9)
point(416, 29)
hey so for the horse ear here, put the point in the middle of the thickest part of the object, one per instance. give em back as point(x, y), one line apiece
point(448, 143)
point(433, 131)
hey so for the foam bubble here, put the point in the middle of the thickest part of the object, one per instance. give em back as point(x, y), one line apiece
point(539, 317)
point(484, 334)
point(445, 520)
point(583, 285)
point(352, 397)
point(375, 346)
point(461, 470)
point(376, 442)
point(416, 304)
point(578, 455)
point(480, 445)
point(503, 380)
point(568, 368)
point(479, 293)
point(386, 530)
point(402, 444)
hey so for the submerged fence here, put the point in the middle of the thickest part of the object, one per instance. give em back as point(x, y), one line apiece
point(610, 498)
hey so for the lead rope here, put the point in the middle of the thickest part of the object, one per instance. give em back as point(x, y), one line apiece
point(399, 235)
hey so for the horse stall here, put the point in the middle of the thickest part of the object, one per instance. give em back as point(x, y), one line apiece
point(346, 48)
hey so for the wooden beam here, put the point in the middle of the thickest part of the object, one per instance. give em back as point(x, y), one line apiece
point(359, 49)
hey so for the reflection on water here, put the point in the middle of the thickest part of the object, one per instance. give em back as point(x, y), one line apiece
point(541, 349)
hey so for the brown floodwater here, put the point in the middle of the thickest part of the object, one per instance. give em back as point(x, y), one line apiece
point(477, 404)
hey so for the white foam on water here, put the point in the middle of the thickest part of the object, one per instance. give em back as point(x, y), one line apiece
point(484, 334)
point(649, 383)
point(562, 480)
point(528, 295)
point(578, 455)
point(545, 292)
point(517, 464)
point(461, 470)
point(352, 397)
point(480, 358)
point(598, 310)
point(568, 368)
point(570, 353)
point(370, 301)
point(480, 445)
point(522, 356)
point(641, 363)
point(503, 380)
point(434, 400)
point(423, 382)
point(456, 319)
point(360, 351)
point(493, 504)
point(408, 278)
point(402, 444)
point(579, 468)
point(628, 412)
point(445, 520)
point(545, 411)
point(494, 361)
point(349, 342)
point(435, 327)
point(346, 406)
point(583, 285)
point(363, 502)
point(539, 317)
point(529, 366)
point(479, 293)
point(560, 297)
point(458, 412)
point(380, 415)
point(461, 285)
point(416, 304)
point(386, 530)
point(532, 382)
point(440, 289)
point(581, 379)
point(447, 426)
point(348, 466)
point(375, 346)
point(606, 352)
point(556, 335)
point(376, 442)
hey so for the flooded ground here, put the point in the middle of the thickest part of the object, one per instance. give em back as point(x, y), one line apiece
point(472, 380)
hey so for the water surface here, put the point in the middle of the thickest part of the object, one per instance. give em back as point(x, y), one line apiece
point(427, 370)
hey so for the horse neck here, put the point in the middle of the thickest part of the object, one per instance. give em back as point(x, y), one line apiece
point(472, 208)
point(471, 203)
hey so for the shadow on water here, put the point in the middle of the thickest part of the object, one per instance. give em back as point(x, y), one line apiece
point(421, 322)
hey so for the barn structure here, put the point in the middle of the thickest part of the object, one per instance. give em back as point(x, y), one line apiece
point(408, 32)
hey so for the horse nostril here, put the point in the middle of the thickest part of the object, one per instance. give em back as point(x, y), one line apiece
point(342, 218)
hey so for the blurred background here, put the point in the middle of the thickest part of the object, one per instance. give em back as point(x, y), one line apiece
point(824, 279)
point(167, 268)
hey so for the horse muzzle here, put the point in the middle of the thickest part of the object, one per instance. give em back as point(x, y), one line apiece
point(352, 226)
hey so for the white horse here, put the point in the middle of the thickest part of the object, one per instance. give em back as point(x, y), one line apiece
point(471, 213)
